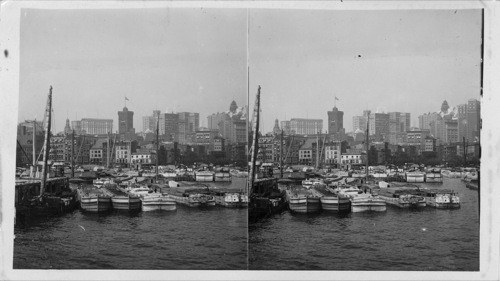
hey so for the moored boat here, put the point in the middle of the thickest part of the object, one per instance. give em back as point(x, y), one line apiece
point(126, 202)
point(158, 202)
point(362, 201)
point(415, 176)
point(95, 202)
point(227, 199)
point(204, 176)
point(303, 201)
point(365, 202)
point(441, 198)
point(434, 175)
point(473, 184)
point(192, 198)
point(402, 197)
point(222, 175)
point(332, 201)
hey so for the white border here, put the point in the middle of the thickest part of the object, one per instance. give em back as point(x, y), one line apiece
point(490, 136)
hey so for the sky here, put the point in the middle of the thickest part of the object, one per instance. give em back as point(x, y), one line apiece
point(195, 60)
point(192, 60)
point(406, 61)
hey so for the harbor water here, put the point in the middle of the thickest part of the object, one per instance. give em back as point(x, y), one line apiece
point(398, 239)
point(214, 238)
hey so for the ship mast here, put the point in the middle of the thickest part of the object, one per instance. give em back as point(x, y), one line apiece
point(255, 141)
point(157, 145)
point(367, 142)
point(48, 112)
point(73, 153)
point(281, 154)
point(34, 168)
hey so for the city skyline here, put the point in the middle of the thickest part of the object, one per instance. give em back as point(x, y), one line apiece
point(385, 61)
point(131, 53)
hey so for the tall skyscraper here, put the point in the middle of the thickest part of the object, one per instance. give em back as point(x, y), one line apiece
point(189, 123)
point(399, 123)
point(125, 121)
point(462, 121)
point(169, 126)
point(231, 124)
point(149, 122)
point(473, 119)
point(424, 121)
point(379, 126)
point(359, 123)
point(335, 121)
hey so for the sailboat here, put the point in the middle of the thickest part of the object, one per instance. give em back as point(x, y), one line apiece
point(42, 197)
point(265, 197)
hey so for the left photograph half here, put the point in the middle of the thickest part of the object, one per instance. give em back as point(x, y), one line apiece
point(132, 140)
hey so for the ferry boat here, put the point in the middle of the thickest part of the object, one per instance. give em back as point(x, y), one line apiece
point(402, 197)
point(303, 201)
point(441, 198)
point(434, 175)
point(332, 201)
point(204, 176)
point(157, 202)
point(415, 176)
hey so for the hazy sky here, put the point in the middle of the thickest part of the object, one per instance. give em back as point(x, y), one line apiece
point(195, 60)
point(408, 61)
point(169, 59)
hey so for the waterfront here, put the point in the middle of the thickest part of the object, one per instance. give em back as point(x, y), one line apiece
point(398, 239)
point(189, 238)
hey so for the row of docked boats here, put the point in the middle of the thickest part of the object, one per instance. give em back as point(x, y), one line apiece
point(111, 196)
point(345, 198)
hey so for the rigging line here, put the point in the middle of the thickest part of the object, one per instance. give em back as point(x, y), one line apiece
point(22, 149)
point(79, 149)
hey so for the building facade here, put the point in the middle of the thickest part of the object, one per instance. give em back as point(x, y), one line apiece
point(303, 126)
point(93, 126)
point(335, 121)
point(379, 126)
point(125, 121)
point(473, 120)
point(169, 126)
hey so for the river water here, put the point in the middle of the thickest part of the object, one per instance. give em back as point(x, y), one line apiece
point(213, 238)
point(427, 240)
point(216, 238)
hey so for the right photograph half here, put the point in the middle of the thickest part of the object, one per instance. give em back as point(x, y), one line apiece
point(364, 139)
